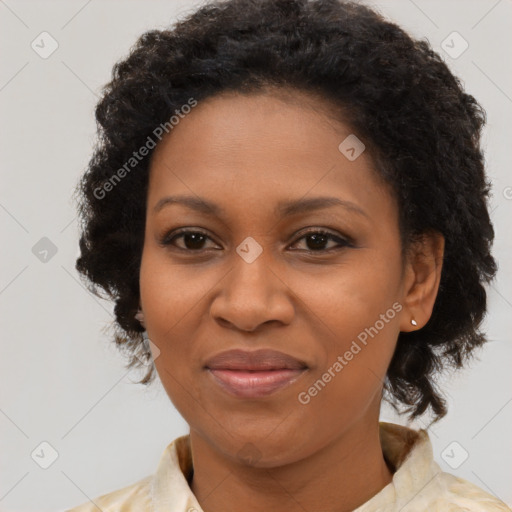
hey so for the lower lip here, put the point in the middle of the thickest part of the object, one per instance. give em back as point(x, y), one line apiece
point(245, 384)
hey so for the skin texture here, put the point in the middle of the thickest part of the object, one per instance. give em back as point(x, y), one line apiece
point(246, 153)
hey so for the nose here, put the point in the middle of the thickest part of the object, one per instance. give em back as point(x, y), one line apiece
point(252, 294)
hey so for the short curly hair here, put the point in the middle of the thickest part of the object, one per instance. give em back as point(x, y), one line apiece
point(422, 129)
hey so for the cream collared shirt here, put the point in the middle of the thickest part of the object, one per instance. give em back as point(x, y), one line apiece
point(418, 484)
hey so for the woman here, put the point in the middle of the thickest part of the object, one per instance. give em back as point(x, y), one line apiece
point(288, 205)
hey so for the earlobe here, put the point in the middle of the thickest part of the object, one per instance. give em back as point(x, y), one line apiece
point(425, 262)
point(140, 317)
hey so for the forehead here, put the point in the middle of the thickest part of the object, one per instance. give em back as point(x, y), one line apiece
point(261, 148)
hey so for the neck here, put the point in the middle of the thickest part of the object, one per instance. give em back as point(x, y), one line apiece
point(339, 477)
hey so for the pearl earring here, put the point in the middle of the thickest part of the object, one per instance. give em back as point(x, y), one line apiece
point(413, 322)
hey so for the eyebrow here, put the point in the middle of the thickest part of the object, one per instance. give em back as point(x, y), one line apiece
point(284, 208)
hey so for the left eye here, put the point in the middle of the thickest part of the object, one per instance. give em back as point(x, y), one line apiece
point(315, 240)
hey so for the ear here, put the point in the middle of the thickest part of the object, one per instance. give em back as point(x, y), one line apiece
point(422, 277)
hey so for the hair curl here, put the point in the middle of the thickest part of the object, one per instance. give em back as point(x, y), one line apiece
point(423, 129)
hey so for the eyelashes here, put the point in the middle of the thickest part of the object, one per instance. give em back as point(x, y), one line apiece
point(195, 237)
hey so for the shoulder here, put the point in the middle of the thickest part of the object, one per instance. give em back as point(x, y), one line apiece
point(134, 497)
point(419, 484)
point(454, 494)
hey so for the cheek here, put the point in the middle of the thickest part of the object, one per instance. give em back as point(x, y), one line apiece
point(350, 382)
point(352, 296)
point(172, 297)
point(357, 316)
point(170, 293)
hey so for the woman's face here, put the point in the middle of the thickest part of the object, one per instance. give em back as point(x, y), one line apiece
point(259, 278)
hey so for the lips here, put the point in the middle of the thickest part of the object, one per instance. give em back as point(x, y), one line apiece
point(254, 374)
point(259, 360)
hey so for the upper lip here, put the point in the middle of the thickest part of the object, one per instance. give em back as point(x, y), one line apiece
point(262, 359)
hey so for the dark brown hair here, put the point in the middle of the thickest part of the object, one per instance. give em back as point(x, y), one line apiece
point(403, 100)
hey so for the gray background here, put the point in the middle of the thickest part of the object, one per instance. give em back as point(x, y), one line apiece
point(62, 381)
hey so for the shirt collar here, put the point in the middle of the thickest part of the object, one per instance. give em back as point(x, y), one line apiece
point(408, 451)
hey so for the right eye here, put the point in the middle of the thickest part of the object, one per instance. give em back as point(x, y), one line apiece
point(193, 240)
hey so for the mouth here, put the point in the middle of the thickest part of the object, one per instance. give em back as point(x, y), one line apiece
point(254, 374)
point(255, 383)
